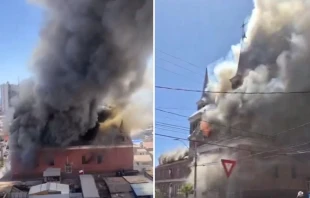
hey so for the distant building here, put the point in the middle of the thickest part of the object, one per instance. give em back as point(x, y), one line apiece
point(148, 145)
point(261, 175)
point(90, 159)
point(141, 151)
point(50, 189)
point(170, 177)
point(8, 92)
point(143, 162)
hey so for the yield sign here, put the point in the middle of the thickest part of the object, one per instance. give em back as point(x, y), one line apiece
point(228, 166)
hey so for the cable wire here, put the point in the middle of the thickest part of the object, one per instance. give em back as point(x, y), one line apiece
point(180, 59)
point(232, 92)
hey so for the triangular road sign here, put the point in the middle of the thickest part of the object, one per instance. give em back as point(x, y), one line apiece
point(228, 166)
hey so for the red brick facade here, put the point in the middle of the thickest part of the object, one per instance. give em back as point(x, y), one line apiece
point(91, 159)
point(169, 178)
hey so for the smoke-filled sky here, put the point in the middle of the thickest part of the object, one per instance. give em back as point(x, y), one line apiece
point(88, 53)
point(195, 32)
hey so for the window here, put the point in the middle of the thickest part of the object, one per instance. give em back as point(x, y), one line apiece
point(276, 172)
point(99, 159)
point(68, 168)
point(294, 174)
point(52, 163)
point(308, 183)
point(170, 172)
point(83, 159)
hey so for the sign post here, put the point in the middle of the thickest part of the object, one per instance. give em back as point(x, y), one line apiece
point(228, 166)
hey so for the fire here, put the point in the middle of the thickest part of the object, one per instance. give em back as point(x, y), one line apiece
point(205, 128)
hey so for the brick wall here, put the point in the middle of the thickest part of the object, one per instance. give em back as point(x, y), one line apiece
point(171, 177)
point(175, 170)
point(112, 159)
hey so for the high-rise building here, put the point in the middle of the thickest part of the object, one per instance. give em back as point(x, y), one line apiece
point(8, 92)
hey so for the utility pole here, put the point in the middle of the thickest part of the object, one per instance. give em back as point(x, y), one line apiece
point(195, 170)
point(195, 163)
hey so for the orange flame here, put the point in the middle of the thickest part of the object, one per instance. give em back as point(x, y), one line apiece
point(205, 128)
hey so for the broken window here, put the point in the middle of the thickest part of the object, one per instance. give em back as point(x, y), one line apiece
point(170, 172)
point(68, 168)
point(294, 174)
point(52, 163)
point(276, 172)
point(99, 159)
point(83, 159)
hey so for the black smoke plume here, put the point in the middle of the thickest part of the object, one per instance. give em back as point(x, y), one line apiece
point(89, 51)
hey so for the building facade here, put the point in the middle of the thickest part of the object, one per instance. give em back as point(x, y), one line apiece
point(8, 92)
point(255, 175)
point(143, 163)
point(169, 178)
point(71, 160)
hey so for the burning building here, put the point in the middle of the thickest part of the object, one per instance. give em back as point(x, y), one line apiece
point(266, 133)
point(89, 52)
point(263, 124)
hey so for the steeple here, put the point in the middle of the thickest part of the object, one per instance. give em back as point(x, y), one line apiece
point(205, 83)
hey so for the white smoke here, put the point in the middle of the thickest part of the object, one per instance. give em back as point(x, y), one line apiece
point(174, 155)
point(276, 51)
point(274, 57)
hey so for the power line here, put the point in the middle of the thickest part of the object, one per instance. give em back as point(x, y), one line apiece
point(157, 109)
point(236, 148)
point(179, 59)
point(194, 72)
point(167, 127)
point(186, 77)
point(293, 128)
point(173, 131)
point(221, 125)
point(231, 92)
point(173, 125)
point(241, 130)
point(177, 108)
point(214, 144)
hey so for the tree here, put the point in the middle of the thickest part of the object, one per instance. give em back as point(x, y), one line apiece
point(186, 190)
point(158, 193)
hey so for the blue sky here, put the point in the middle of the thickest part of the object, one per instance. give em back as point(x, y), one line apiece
point(199, 32)
point(19, 33)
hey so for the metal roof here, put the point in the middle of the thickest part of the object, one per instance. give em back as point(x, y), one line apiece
point(76, 195)
point(49, 187)
point(51, 172)
point(144, 189)
point(123, 195)
point(49, 196)
point(88, 185)
point(18, 195)
point(136, 179)
point(117, 185)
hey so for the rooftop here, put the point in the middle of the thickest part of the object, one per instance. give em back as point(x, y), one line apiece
point(51, 172)
point(89, 187)
point(143, 189)
point(141, 150)
point(147, 145)
point(142, 158)
point(49, 188)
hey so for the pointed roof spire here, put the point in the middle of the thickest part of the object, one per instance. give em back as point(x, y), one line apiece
point(205, 83)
